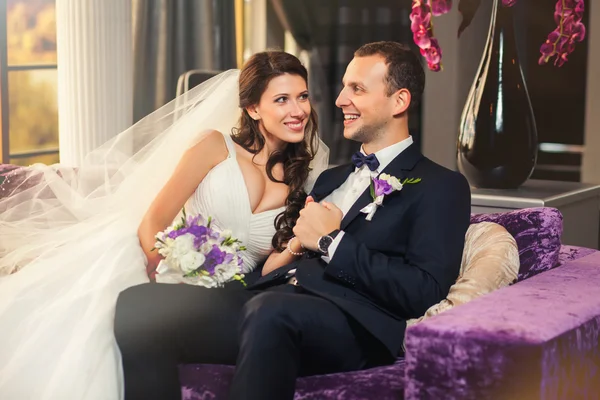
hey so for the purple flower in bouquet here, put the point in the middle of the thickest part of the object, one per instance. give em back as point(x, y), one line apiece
point(214, 257)
point(196, 252)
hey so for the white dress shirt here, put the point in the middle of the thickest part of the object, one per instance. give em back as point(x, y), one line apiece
point(357, 182)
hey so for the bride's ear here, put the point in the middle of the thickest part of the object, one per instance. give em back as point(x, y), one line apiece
point(253, 112)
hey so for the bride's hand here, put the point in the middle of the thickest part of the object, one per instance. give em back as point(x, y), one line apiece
point(151, 271)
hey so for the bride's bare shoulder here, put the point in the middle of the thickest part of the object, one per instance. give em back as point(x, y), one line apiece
point(211, 147)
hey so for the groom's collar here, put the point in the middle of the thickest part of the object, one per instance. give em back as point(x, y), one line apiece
point(386, 155)
point(399, 157)
point(399, 168)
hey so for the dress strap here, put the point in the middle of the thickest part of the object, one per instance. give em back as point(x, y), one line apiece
point(230, 145)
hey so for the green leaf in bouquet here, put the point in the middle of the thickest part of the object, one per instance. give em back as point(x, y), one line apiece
point(240, 278)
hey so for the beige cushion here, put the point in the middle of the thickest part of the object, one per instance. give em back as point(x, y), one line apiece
point(490, 261)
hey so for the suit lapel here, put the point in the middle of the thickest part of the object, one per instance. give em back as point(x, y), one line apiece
point(338, 177)
point(399, 167)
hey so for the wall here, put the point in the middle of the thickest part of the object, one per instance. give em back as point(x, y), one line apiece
point(446, 91)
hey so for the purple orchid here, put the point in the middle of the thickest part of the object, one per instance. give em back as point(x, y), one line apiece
point(422, 28)
point(561, 41)
point(559, 44)
point(433, 55)
point(440, 7)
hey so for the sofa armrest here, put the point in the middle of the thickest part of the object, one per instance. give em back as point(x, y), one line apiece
point(571, 253)
point(537, 339)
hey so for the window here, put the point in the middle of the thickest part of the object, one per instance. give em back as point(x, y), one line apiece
point(28, 75)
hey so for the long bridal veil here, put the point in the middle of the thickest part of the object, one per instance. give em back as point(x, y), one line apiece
point(61, 230)
point(47, 206)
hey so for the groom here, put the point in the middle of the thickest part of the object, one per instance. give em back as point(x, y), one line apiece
point(373, 266)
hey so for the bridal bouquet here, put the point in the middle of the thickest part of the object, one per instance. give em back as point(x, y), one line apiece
point(198, 254)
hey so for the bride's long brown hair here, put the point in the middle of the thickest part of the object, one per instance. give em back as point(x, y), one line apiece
point(295, 157)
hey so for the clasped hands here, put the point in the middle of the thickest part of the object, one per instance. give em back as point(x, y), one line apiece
point(316, 220)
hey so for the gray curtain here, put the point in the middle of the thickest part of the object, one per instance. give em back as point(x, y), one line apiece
point(174, 36)
point(332, 30)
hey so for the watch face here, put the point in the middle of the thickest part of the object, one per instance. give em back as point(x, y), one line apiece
point(324, 243)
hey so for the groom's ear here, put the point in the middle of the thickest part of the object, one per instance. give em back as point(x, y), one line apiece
point(402, 100)
point(253, 112)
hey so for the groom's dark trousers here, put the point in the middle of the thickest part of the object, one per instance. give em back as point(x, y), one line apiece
point(344, 315)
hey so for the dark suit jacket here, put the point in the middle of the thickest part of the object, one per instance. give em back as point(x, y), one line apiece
point(394, 267)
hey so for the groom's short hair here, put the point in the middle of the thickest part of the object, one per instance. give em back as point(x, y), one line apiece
point(405, 70)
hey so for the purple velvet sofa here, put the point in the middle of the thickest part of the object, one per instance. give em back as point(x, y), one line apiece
point(536, 339)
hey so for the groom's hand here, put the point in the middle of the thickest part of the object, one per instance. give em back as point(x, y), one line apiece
point(315, 221)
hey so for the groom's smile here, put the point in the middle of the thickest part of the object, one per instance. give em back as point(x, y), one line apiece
point(350, 118)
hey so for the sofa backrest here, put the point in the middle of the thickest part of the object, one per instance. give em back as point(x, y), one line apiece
point(537, 232)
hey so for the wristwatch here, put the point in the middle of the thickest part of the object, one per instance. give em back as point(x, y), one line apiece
point(325, 241)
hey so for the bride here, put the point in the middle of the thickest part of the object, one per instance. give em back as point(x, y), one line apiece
point(241, 148)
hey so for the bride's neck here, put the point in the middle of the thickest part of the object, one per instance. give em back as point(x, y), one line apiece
point(272, 144)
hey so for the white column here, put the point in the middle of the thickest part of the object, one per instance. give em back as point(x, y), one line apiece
point(95, 74)
point(590, 166)
point(256, 25)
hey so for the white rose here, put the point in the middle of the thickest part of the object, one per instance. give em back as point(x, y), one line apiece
point(225, 272)
point(392, 180)
point(191, 261)
point(182, 245)
point(226, 233)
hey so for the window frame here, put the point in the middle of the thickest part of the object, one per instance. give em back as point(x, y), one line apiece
point(5, 154)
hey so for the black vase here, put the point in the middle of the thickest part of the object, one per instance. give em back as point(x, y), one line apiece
point(497, 144)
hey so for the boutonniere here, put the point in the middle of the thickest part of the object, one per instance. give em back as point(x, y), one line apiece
point(381, 187)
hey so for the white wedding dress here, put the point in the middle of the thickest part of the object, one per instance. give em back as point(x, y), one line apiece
point(223, 195)
point(72, 353)
point(72, 241)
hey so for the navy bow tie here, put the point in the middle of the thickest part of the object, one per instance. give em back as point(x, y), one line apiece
point(359, 159)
